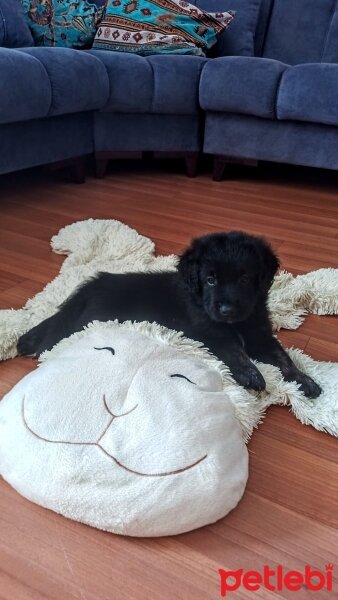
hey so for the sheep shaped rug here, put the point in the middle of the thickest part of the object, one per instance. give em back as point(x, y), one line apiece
point(131, 427)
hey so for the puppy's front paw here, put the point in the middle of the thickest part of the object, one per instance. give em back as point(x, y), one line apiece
point(249, 377)
point(310, 388)
point(27, 344)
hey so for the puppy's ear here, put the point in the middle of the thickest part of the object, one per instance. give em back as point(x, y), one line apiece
point(269, 262)
point(189, 267)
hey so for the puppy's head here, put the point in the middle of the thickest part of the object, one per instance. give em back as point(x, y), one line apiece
point(227, 273)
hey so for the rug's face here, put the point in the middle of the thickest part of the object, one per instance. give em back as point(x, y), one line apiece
point(126, 433)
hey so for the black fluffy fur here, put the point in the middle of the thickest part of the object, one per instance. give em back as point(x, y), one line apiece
point(217, 296)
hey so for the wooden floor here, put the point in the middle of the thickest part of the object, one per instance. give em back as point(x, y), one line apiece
point(289, 513)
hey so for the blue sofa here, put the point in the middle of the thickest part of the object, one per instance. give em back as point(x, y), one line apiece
point(268, 93)
point(281, 104)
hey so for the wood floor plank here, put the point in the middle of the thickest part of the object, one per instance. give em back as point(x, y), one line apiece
point(8, 280)
point(284, 426)
point(17, 295)
point(289, 513)
point(323, 327)
point(303, 472)
point(323, 349)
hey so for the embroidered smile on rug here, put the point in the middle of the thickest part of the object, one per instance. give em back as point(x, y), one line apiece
point(98, 445)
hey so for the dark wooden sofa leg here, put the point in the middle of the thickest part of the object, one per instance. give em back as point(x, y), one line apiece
point(191, 164)
point(75, 168)
point(219, 165)
point(102, 159)
point(191, 159)
point(101, 165)
point(78, 170)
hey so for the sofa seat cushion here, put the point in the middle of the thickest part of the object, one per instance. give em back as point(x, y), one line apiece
point(25, 91)
point(78, 81)
point(155, 84)
point(309, 92)
point(241, 85)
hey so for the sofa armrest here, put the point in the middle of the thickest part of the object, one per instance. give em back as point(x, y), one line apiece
point(309, 92)
point(241, 85)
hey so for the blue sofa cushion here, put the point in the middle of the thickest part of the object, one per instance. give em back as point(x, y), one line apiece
point(238, 40)
point(67, 23)
point(241, 85)
point(78, 80)
point(302, 31)
point(156, 84)
point(149, 27)
point(14, 32)
point(309, 93)
point(25, 91)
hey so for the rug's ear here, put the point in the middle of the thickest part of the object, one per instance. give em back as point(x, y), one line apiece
point(189, 266)
point(269, 262)
point(86, 240)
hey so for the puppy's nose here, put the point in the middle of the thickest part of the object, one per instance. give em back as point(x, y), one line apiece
point(226, 310)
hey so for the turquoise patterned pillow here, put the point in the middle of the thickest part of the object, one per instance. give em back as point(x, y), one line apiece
point(159, 26)
point(69, 23)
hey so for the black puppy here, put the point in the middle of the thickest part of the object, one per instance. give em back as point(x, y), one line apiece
point(218, 296)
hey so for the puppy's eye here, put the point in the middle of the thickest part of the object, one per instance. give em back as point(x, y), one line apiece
point(244, 279)
point(211, 280)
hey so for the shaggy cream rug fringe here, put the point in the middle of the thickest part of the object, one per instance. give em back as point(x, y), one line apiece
point(108, 245)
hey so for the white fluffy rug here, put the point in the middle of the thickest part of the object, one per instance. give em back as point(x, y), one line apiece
point(108, 245)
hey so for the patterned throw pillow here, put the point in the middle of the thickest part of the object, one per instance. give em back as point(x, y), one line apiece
point(69, 23)
point(159, 26)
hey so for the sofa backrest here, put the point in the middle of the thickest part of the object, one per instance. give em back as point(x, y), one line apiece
point(14, 31)
point(238, 40)
point(298, 31)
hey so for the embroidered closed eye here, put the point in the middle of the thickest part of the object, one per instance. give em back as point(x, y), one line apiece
point(106, 348)
point(182, 377)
